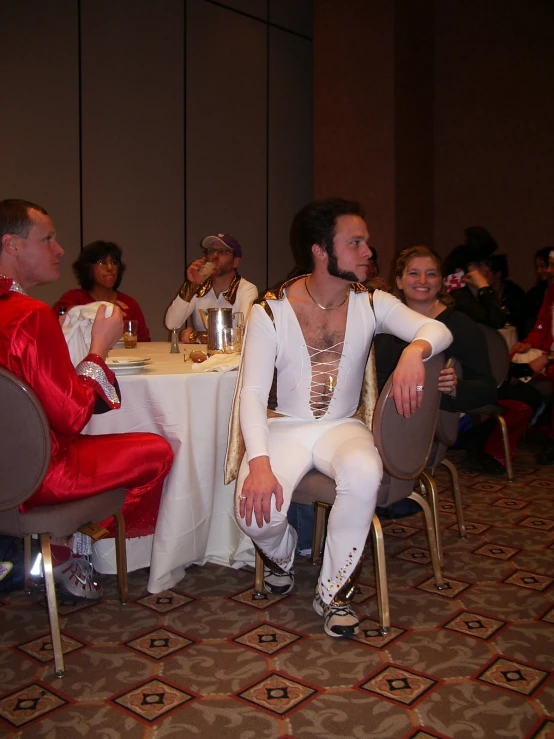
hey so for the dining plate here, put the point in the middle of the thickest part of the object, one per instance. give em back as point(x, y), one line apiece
point(123, 362)
point(132, 369)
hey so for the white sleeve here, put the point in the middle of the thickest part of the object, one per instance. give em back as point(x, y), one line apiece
point(258, 360)
point(245, 298)
point(178, 312)
point(393, 317)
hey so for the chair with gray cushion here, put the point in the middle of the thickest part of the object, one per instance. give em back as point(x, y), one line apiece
point(404, 445)
point(25, 451)
point(499, 358)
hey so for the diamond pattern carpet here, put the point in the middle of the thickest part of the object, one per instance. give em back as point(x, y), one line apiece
point(207, 660)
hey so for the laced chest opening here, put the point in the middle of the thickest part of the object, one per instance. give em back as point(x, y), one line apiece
point(324, 373)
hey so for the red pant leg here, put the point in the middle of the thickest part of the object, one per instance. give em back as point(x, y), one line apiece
point(517, 417)
point(138, 462)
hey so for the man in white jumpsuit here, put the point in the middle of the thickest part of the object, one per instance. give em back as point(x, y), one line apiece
point(212, 282)
point(314, 335)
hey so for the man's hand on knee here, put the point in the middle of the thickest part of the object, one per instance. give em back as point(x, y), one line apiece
point(259, 487)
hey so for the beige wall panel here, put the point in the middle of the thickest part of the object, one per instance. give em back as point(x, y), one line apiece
point(290, 142)
point(133, 121)
point(295, 15)
point(39, 146)
point(413, 122)
point(494, 117)
point(354, 106)
point(226, 132)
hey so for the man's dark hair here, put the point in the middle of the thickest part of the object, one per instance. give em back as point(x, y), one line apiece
point(316, 224)
point(15, 219)
point(84, 265)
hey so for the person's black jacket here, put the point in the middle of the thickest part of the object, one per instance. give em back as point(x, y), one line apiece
point(484, 307)
point(469, 348)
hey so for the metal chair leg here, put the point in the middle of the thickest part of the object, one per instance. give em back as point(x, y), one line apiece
point(27, 563)
point(59, 667)
point(259, 592)
point(429, 486)
point(321, 511)
point(457, 497)
point(121, 557)
point(432, 539)
point(506, 445)
point(381, 584)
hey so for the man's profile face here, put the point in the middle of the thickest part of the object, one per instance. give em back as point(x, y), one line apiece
point(551, 266)
point(38, 255)
point(351, 253)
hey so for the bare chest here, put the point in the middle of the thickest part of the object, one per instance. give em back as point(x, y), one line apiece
point(322, 330)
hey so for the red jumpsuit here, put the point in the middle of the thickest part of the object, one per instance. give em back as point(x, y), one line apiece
point(32, 346)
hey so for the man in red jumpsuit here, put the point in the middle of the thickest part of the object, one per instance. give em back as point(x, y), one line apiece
point(32, 346)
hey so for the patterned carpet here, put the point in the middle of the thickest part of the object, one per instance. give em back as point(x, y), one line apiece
point(204, 660)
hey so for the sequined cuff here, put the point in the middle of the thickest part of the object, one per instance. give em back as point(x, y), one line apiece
point(187, 291)
point(95, 371)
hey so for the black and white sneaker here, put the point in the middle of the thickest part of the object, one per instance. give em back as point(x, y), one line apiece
point(277, 582)
point(340, 619)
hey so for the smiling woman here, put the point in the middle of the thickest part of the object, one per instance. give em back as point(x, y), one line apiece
point(99, 270)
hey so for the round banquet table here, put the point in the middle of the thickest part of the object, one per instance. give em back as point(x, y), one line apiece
point(190, 409)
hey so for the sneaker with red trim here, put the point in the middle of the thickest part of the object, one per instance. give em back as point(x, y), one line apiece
point(76, 578)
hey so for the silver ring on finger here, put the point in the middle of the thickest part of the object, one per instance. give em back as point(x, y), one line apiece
point(419, 388)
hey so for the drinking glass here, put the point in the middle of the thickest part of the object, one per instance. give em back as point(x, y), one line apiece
point(130, 332)
point(232, 340)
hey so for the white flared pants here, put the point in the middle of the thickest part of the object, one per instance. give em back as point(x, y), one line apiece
point(343, 450)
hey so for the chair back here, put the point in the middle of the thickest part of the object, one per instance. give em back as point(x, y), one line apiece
point(499, 355)
point(25, 446)
point(404, 443)
point(447, 427)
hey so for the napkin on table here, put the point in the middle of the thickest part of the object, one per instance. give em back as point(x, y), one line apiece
point(77, 328)
point(218, 363)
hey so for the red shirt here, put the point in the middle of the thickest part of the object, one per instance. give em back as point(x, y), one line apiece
point(81, 297)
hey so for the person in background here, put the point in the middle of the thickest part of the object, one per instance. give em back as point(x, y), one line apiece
point(537, 351)
point(510, 296)
point(374, 280)
point(468, 278)
point(419, 285)
point(32, 346)
point(308, 342)
point(535, 295)
point(99, 270)
point(212, 282)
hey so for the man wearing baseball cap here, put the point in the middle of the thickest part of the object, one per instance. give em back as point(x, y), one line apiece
point(212, 282)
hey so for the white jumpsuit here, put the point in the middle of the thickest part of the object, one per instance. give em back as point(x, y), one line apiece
point(335, 443)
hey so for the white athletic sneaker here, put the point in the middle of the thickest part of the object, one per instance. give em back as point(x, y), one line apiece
point(339, 618)
point(277, 582)
point(76, 578)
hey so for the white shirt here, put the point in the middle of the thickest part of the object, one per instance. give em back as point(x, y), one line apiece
point(180, 309)
point(281, 346)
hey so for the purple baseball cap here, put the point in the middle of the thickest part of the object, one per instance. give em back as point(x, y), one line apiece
point(225, 240)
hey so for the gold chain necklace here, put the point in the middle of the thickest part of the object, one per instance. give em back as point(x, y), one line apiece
point(333, 307)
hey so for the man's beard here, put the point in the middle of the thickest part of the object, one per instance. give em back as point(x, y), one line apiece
point(334, 271)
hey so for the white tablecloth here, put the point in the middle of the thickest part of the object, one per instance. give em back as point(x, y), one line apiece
point(191, 410)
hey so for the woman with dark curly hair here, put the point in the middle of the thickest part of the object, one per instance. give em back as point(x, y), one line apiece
point(99, 270)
